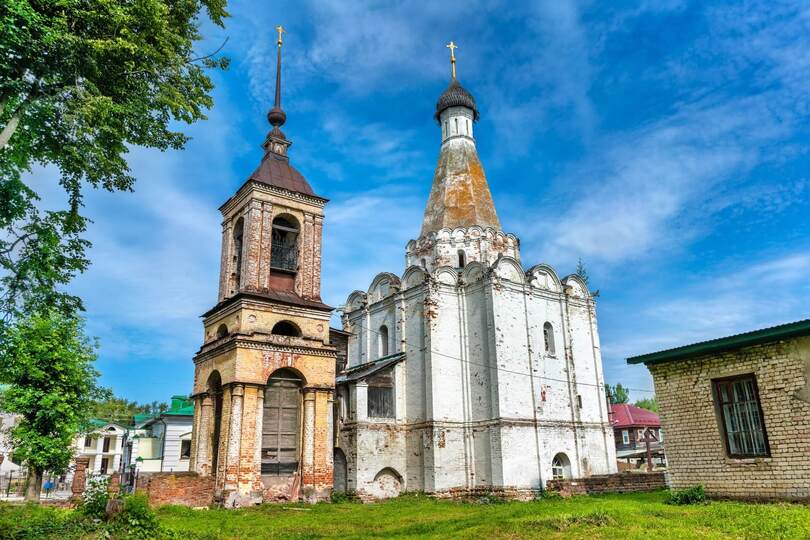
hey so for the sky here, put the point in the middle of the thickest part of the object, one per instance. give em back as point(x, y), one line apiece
point(665, 143)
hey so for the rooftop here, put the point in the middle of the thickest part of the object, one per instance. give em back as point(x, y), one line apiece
point(737, 341)
point(626, 415)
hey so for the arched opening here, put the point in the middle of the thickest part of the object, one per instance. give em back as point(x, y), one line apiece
point(238, 235)
point(222, 331)
point(387, 483)
point(280, 423)
point(340, 471)
point(286, 328)
point(560, 467)
point(462, 258)
point(548, 337)
point(215, 392)
point(284, 248)
point(424, 263)
point(382, 341)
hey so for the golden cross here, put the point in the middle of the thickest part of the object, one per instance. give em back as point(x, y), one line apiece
point(280, 30)
point(452, 46)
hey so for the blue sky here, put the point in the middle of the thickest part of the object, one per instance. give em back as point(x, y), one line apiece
point(663, 142)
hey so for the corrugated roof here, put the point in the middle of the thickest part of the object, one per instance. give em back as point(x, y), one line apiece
point(747, 339)
point(626, 415)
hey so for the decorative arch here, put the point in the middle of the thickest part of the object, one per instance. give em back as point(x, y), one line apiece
point(413, 277)
point(509, 269)
point(387, 484)
point(543, 276)
point(222, 331)
point(576, 286)
point(383, 341)
point(473, 272)
point(446, 275)
point(281, 423)
point(382, 286)
point(355, 301)
point(286, 328)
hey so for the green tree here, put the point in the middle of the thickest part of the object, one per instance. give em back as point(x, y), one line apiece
point(47, 362)
point(617, 394)
point(80, 82)
point(582, 272)
point(651, 404)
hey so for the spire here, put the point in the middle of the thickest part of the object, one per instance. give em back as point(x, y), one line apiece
point(460, 195)
point(276, 141)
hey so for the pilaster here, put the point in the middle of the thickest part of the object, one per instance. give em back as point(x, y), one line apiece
point(252, 246)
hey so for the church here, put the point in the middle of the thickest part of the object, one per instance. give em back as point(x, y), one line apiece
point(465, 374)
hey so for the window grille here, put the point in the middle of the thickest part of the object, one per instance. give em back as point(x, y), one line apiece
point(741, 417)
point(284, 246)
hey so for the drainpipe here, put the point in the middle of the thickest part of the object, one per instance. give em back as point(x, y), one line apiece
point(163, 446)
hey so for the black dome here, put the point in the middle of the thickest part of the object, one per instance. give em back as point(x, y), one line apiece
point(456, 96)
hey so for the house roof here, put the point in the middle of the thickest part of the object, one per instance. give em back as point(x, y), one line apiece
point(737, 341)
point(626, 415)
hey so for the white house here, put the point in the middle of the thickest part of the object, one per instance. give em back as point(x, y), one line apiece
point(103, 446)
point(7, 421)
point(161, 443)
point(469, 372)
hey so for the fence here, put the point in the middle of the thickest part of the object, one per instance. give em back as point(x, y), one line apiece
point(14, 483)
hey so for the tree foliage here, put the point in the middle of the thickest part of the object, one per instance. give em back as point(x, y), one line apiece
point(80, 82)
point(617, 394)
point(651, 404)
point(582, 272)
point(47, 362)
point(114, 409)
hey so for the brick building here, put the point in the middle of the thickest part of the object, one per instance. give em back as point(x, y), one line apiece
point(264, 377)
point(736, 412)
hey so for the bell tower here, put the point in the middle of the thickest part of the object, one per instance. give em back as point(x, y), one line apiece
point(265, 374)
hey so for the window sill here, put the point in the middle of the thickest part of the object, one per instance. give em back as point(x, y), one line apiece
point(748, 460)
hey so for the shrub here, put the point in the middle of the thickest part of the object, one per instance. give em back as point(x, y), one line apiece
point(136, 519)
point(692, 495)
point(95, 497)
point(339, 497)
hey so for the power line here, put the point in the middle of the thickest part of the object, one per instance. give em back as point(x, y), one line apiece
point(498, 368)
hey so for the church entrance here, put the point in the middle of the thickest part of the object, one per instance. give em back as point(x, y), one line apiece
point(281, 433)
point(340, 471)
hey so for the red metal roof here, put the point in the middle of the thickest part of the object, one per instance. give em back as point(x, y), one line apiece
point(626, 415)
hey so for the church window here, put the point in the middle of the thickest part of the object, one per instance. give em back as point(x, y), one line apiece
point(280, 424)
point(238, 233)
point(456, 119)
point(579, 401)
point(381, 395)
point(468, 128)
point(424, 263)
point(741, 416)
point(548, 336)
point(284, 248)
point(286, 328)
point(445, 128)
point(382, 338)
point(560, 467)
point(462, 258)
point(222, 331)
point(215, 393)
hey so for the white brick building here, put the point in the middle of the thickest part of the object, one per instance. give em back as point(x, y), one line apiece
point(469, 372)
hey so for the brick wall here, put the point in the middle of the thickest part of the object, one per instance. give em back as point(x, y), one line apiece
point(184, 488)
point(609, 483)
point(694, 442)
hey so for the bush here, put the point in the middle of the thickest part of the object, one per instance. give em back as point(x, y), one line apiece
point(339, 497)
point(136, 519)
point(95, 497)
point(692, 495)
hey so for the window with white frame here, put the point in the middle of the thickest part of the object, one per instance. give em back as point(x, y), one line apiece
point(625, 437)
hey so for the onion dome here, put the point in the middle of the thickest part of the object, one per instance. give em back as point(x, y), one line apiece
point(456, 96)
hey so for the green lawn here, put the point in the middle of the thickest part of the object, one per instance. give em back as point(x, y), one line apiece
point(625, 517)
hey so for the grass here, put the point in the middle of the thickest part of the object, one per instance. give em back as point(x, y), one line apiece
point(621, 517)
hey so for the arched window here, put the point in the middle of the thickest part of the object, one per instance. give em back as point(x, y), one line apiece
point(284, 248)
point(286, 328)
point(456, 119)
point(548, 336)
point(382, 341)
point(444, 130)
point(215, 393)
point(468, 128)
point(222, 331)
point(560, 467)
point(462, 258)
point(238, 233)
point(280, 423)
point(424, 264)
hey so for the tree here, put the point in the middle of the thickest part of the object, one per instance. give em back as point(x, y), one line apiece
point(80, 82)
point(122, 411)
point(617, 394)
point(581, 271)
point(651, 404)
point(47, 362)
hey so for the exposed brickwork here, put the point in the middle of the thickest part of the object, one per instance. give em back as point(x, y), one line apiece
point(694, 439)
point(185, 488)
point(609, 483)
point(79, 476)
